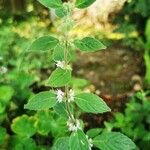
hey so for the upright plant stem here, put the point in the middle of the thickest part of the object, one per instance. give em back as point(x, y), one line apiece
point(66, 87)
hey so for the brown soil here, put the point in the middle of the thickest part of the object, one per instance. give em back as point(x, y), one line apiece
point(115, 74)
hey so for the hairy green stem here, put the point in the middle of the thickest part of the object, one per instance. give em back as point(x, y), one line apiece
point(70, 115)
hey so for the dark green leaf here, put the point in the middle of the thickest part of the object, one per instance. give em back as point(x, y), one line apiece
point(78, 141)
point(51, 3)
point(59, 78)
point(61, 144)
point(113, 141)
point(84, 3)
point(93, 132)
point(2, 135)
point(43, 100)
point(89, 44)
point(21, 143)
point(44, 43)
point(91, 103)
point(44, 119)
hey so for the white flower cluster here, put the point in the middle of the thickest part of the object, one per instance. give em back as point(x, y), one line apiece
point(90, 141)
point(3, 70)
point(62, 65)
point(73, 125)
point(71, 96)
point(60, 96)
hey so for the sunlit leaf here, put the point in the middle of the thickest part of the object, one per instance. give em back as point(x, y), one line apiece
point(89, 44)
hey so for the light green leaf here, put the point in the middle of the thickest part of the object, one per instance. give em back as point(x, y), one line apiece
point(23, 126)
point(59, 78)
point(6, 93)
point(113, 141)
point(58, 53)
point(61, 144)
point(43, 122)
point(91, 103)
point(51, 3)
point(60, 109)
point(44, 43)
point(89, 44)
point(61, 12)
point(84, 3)
point(40, 101)
point(78, 141)
point(2, 135)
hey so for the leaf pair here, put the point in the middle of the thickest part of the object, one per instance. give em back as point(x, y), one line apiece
point(86, 44)
point(88, 102)
point(104, 141)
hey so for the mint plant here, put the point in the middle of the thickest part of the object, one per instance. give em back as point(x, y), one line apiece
point(64, 96)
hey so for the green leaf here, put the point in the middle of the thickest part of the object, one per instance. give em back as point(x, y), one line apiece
point(61, 12)
point(44, 43)
point(93, 132)
point(23, 126)
point(21, 143)
point(2, 135)
point(59, 78)
point(60, 109)
point(58, 53)
point(91, 103)
point(84, 3)
point(89, 44)
point(61, 144)
point(113, 141)
point(78, 141)
point(6, 93)
point(51, 3)
point(40, 101)
point(43, 122)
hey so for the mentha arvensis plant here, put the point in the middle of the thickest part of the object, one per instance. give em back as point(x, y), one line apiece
point(64, 96)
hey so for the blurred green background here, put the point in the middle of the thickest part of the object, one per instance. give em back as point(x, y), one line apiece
point(121, 73)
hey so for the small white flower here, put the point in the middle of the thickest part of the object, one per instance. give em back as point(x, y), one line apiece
point(90, 141)
point(60, 64)
point(73, 125)
point(3, 70)
point(60, 96)
point(71, 96)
